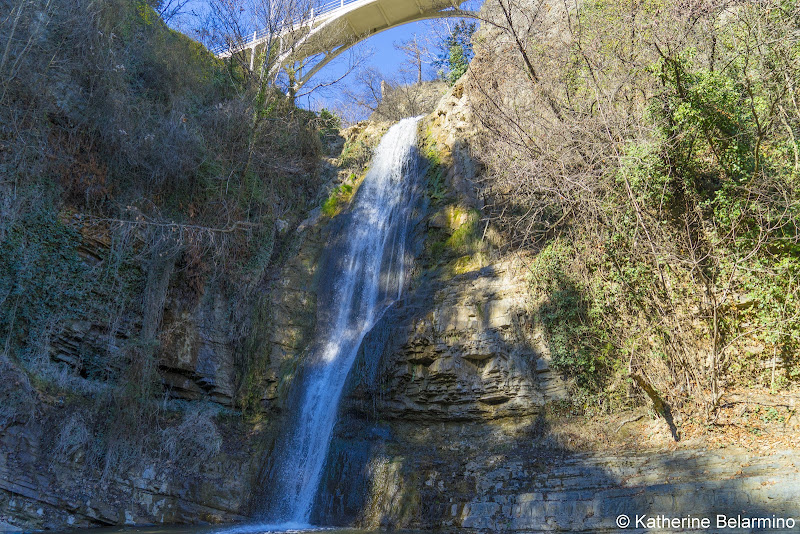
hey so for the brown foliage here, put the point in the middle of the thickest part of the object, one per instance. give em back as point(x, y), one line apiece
point(571, 108)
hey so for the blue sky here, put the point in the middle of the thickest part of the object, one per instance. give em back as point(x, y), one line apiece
point(384, 56)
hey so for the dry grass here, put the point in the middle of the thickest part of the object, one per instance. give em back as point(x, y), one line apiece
point(73, 438)
point(18, 399)
point(193, 442)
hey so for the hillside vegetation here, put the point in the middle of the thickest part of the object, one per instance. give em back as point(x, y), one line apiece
point(132, 161)
point(644, 155)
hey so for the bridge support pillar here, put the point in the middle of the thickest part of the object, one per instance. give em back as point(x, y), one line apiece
point(253, 52)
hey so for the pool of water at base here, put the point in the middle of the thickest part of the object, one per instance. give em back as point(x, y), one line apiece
point(234, 529)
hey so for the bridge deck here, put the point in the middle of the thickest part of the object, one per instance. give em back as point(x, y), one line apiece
point(339, 24)
point(356, 19)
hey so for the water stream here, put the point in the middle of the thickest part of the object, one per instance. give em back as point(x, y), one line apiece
point(254, 529)
point(364, 275)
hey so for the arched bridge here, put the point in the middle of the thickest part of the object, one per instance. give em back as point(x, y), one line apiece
point(332, 28)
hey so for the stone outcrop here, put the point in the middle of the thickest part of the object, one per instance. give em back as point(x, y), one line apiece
point(41, 492)
point(197, 350)
point(469, 353)
point(292, 313)
point(447, 419)
point(452, 126)
point(587, 493)
point(466, 481)
point(46, 484)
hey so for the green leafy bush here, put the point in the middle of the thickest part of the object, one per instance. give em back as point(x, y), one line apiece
point(340, 196)
point(661, 143)
point(579, 345)
point(329, 123)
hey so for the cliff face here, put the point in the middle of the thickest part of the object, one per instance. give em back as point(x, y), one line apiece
point(209, 458)
point(465, 351)
point(39, 491)
point(455, 419)
point(155, 286)
point(225, 361)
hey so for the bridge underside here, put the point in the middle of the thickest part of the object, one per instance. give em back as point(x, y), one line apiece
point(323, 39)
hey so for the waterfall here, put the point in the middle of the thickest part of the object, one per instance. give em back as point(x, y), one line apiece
point(365, 276)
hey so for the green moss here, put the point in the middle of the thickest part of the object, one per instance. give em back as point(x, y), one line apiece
point(467, 237)
point(355, 154)
point(436, 171)
point(341, 196)
point(255, 350)
point(468, 264)
point(457, 248)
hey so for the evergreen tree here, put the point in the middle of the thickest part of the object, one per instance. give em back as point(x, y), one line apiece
point(456, 52)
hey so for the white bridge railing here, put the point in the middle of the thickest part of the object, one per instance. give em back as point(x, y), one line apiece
point(312, 13)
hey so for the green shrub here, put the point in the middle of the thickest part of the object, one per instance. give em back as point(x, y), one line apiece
point(340, 196)
point(329, 123)
point(579, 345)
point(355, 154)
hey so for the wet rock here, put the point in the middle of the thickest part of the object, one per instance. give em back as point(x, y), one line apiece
point(197, 350)
point(469, 353)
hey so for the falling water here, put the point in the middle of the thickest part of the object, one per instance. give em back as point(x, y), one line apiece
point(366, 275)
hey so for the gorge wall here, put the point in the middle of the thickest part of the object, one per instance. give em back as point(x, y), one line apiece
point(455, 419)
point(453, 415)
point(225, 365)
point(48, 475)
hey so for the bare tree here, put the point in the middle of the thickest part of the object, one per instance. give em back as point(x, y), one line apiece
point(392, 97)
point(276, 42)
point(170, 10)
point(416, 54)
point(367, 93)
point(577, 128)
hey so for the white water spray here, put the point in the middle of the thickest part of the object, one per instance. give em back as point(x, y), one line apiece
point(368, 277)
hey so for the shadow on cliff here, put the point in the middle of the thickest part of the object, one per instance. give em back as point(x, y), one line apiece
point(425, 470)
point(387, 454)
point(393, 463)
point(343, 277)
point(396, 461)
point(434, 475)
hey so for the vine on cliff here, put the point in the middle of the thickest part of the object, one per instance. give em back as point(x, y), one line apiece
point(663, 145)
